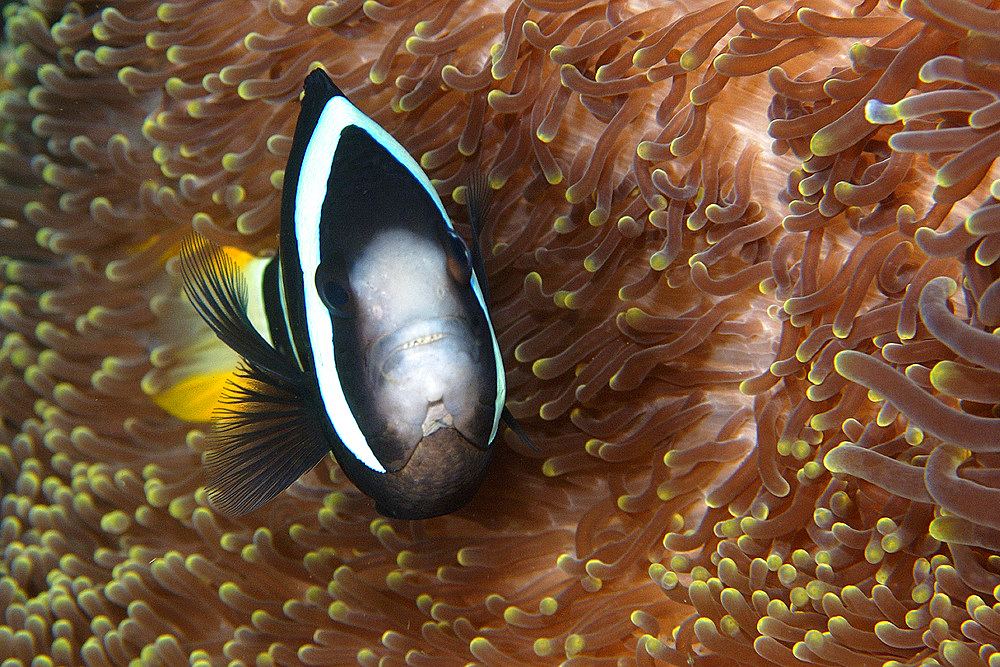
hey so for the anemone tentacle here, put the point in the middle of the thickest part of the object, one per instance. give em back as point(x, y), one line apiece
point(744, 263)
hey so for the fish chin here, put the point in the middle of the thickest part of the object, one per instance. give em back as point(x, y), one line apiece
point(441, 476)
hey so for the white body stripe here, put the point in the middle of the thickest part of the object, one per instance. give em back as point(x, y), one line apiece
point(310, 193)
point(284, 315)
point(253, 272)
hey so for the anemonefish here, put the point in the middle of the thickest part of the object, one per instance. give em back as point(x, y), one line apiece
point(371, 337)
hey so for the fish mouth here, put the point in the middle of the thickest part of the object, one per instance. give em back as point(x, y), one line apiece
point(424, 378)
point(437, 418)
point(423, 340)
point(416, 334)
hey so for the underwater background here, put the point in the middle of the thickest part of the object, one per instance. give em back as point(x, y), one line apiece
point(743, 260)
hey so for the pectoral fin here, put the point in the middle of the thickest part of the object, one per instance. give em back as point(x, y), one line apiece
point(266, 435)
point(507, 418)
point(478, 199)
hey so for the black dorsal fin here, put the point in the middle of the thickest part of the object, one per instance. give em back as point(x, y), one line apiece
point(319, 87)
point(266, 435)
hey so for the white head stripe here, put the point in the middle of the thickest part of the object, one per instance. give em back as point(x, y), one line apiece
point(314, 174)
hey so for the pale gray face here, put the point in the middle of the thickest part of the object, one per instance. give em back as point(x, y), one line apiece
point(422, 358)
point(400, 277)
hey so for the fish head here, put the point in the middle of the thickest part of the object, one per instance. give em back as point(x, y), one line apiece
point(413, 346)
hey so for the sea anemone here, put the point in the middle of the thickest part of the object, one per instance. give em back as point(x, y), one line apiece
point(745, 269)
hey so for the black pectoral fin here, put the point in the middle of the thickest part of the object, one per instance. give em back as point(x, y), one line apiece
point(216, 288)
point(266, 434)
point(478, 199)
point(507, 418)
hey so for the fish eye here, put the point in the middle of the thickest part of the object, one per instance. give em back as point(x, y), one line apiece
point(335, 296)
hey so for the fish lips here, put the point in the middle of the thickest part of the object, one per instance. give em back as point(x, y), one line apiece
point(427, 375)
